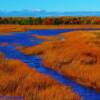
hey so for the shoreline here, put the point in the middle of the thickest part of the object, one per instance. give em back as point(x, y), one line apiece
point(9, 28)
point(78, 57)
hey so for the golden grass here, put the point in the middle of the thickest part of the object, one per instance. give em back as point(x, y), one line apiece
point(7, 28)
point(17, 79)
point(76, 56)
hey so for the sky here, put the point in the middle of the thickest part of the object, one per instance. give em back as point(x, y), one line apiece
point(50, 5)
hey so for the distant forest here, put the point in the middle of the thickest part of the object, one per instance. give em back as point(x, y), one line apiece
point(49, 20)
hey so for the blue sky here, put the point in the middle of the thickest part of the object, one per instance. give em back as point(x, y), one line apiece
point(50, 5)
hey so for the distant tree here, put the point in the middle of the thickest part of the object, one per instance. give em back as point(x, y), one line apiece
point(57, 21)
point(37, 21)
point(1, 21)
point(24, 22)
point(30, 20)
point(48, 21)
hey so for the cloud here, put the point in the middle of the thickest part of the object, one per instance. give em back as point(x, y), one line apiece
point(37, 9)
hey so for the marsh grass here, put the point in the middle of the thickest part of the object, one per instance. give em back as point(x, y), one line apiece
point(18, 79)
point(77, 57)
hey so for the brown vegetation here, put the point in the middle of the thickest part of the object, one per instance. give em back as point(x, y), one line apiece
point(8, 28)
point(17, 79)
point(75, 55)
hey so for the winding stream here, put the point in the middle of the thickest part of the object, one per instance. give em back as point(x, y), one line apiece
point(26, 39)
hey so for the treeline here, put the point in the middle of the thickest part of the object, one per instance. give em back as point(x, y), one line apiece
point(49, 20)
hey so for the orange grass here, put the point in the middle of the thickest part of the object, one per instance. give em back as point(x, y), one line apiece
point(77, 56)
point(17, 79)
point(7, 28)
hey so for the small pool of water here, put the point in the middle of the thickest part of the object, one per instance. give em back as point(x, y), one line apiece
point(26, 39)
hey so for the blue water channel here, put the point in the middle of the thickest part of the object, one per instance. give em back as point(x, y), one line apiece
point(26, 39)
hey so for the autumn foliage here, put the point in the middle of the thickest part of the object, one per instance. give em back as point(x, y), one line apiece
point(50, 20)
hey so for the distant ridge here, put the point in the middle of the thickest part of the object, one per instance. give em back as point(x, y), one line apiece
point(43, 13)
